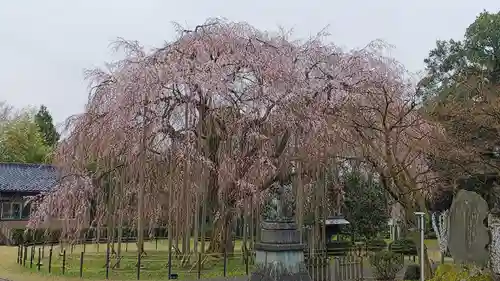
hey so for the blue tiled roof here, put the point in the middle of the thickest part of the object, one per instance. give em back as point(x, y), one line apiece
point(27, 177)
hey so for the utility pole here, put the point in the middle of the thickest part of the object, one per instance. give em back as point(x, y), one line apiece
point(421, 226)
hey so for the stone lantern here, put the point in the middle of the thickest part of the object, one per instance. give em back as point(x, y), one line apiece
point(334, 226)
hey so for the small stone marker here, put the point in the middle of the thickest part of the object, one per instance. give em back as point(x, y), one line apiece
point(468, 236)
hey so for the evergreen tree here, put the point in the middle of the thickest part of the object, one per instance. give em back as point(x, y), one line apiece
point(366, 205)
point(46, 126)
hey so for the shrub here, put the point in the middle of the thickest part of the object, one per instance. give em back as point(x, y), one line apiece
point(412, 272)
point(451, 272)
point(38, 236)
point(339, 248)
point(386, 264)
point(404, 246)
point(376, 245)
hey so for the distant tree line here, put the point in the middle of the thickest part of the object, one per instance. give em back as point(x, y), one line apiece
point(26, 135)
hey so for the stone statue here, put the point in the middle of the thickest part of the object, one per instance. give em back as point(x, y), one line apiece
point(280, 205)
point(279, 255)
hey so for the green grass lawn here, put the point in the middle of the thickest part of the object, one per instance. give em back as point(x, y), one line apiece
point(154, 264)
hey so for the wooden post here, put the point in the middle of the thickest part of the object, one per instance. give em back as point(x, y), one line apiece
point(139, 265)
point(25, 255)
point(107, 262)
point(81, 264)
point(39, 258)
point(199, 265)
point(169, 259)
point(32, 254)
point(50, 260)
point(64, 262)
point(225, 262)
point(361, 268)
point(246, 261)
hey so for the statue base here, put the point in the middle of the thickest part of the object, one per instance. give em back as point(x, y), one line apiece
point(280, 255)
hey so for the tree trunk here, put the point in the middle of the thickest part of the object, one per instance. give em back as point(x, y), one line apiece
point(222, 235)
point(196, 225)
point(142, 185)
point(176, 237)
point(119, 246)
point(252, 224)
point(410, 205)
point(184, 243)
point(98, 236)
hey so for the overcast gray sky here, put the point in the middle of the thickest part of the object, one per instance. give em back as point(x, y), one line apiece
point(46, 45)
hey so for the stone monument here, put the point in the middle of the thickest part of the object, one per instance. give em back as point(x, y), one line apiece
point(468, 235)
point(280, 254)
point(494, 227)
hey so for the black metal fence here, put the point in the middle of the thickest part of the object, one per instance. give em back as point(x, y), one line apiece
point(348, 267)
point(84, 261)
point(101, 261)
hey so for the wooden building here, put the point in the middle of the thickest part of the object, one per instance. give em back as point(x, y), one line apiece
point(19, 182)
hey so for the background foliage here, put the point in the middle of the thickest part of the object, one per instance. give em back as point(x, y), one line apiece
point(23, 135)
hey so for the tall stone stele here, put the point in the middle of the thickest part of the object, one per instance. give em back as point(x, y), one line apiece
point(487, 185)
point(468, 236)
point(279, 254)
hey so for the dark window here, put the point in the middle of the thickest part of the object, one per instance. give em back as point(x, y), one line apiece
point(16, 210)
point(6, 210)
point(13, 211)
point(26, 211)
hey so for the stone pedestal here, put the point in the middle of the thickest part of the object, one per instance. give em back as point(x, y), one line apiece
point(279, 256)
